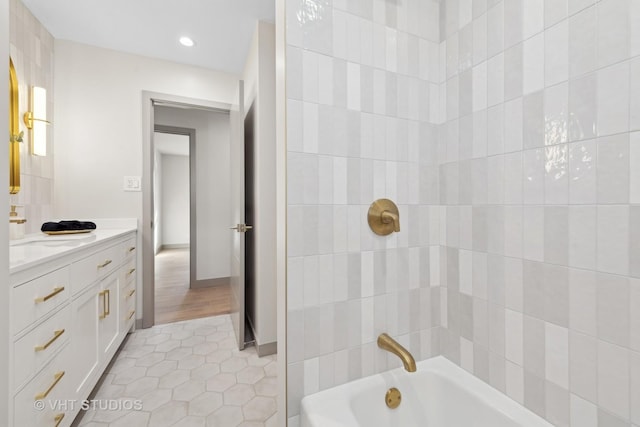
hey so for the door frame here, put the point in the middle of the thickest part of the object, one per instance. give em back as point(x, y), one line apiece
point(149, 101)
point(193, 244)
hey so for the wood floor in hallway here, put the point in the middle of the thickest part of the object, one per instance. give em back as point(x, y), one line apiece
point(175, 301)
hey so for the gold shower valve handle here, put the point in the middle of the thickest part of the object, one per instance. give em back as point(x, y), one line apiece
point(384, 217)
point(391, 218)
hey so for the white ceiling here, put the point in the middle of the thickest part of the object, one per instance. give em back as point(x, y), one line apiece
point(222, 29)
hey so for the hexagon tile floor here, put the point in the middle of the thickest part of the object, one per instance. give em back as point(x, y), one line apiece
point(188, 374)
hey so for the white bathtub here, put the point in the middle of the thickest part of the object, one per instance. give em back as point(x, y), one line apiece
point(439, 394)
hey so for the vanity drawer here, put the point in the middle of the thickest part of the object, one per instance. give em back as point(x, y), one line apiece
point(51, 386)
point(129, 248)
point(32, 351)
point(128, 292)
point(38, 297)
point(128, 273)
point(128, 314)
point(128, 305)
point(88, 270)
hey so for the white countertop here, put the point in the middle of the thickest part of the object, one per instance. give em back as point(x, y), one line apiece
point(39, 248)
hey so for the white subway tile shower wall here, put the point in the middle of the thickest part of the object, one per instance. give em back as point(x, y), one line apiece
point(508, 131)
point(363, 95)
point(31, 48)
point(555, 225)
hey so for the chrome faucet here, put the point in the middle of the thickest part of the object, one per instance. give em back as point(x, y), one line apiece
point(387, 343)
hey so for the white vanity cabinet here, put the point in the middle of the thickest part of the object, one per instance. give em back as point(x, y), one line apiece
point(96, 333)
point(108, 330)
point(84, 341)
point(127, 291)
point(71, 312)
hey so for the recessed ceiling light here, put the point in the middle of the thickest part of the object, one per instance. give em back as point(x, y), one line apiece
point(186, 41)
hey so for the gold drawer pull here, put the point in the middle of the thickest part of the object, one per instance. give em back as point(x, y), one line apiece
point(103, 294)
point(106, 303)
point(133, 291)
point(56, 335)
point(131, 272)
point(55, 292)
point(104, 264)
point(132, 248)
point(58, 419)
point(57, 377)
point(131, 314)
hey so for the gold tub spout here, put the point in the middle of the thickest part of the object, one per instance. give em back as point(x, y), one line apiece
point(387, 343)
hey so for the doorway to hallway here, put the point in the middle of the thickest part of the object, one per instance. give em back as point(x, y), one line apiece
point(175, 300)
point(184, 288)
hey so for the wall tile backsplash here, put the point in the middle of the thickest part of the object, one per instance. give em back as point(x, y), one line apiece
point(560, 186)
point(363, 91)
point(508, 131)
point(31, 48)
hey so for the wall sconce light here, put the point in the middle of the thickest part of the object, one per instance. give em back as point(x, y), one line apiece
point(36, 121)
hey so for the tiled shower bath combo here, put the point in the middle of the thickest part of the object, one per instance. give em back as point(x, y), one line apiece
point(508, 133)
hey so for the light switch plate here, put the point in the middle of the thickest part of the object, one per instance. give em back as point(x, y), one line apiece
point(132, 183)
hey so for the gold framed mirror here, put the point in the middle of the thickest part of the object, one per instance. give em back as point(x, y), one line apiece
point(15, 136)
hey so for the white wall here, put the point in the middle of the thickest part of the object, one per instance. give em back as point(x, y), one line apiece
point(213, 196)
point(98, 124)
point(175, 199)
point(178, 230)
point(259, 77)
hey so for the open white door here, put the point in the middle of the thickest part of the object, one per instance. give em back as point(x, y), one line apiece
point(238, 227)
